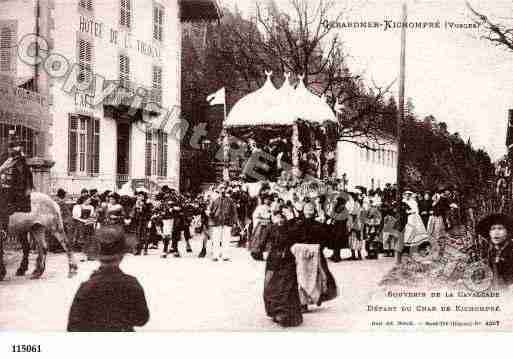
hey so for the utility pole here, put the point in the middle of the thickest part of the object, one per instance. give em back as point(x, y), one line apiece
point(400, 118)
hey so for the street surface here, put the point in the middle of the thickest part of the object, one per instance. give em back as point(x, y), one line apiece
point(188, 293)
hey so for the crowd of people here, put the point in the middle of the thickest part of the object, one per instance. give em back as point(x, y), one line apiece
point(287, 227)
point(351, 218)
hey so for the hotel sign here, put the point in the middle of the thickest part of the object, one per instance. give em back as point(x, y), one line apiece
point(118, 38)
point(22, 107)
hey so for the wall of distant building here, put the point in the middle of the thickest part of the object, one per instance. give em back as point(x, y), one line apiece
point(372, 166)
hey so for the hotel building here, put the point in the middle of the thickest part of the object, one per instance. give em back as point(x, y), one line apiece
point(108, 75)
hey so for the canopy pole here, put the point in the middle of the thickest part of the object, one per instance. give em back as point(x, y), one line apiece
point(295, 149)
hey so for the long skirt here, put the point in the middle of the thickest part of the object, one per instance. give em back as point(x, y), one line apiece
point(332, 290)
point(437, 232)
point(258, 238)
point(414, 231)
point(436, 227)
point(355, 240)
point(340, 235)
point(281, 296)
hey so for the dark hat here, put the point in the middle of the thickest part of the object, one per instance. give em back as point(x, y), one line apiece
point(61, 193)
point(115, 195)
point(166, 188)
point(111, 241)
point(483, 227)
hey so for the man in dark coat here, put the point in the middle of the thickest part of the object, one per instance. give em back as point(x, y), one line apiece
point(110, 301)
point(16, 181)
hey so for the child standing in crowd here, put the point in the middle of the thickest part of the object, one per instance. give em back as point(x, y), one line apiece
point(110, 300)
point(389, 234)
point(355, 225)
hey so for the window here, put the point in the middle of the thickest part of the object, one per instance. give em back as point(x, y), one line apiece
point(157, 84)
point(124, 71)
point(86, 4)
point(156, 153)
point(85, 60)
point(27, 135)
point(83, 145)
point(158, 22)
point(6, 49)
point(125, 15)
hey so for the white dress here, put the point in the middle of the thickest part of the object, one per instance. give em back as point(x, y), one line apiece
point(414, 232)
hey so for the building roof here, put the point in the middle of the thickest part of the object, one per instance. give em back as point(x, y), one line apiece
point(268, 106)
point(199, 10)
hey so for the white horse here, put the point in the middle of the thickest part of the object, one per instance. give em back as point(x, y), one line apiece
point(45, 216)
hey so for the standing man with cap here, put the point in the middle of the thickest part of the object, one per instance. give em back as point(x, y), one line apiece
point(110, 301)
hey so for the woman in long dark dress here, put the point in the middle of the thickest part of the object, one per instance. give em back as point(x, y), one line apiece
point(281, 296)
point(308, 231)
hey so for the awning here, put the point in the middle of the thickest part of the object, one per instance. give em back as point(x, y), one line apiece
point(123, 100)
point(199, 10)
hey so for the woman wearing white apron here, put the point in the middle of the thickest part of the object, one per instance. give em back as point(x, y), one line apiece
point(414, 233)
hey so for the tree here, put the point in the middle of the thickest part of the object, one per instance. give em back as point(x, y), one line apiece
point(499, 34)
point(300, 40)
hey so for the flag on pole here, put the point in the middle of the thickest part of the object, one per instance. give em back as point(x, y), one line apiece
point(217, 98)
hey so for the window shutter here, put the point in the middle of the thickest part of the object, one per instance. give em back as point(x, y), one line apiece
point(158, 22)
point(6, 40)
point(147, 167)
point(96, 150)
point(125, 13)
point(72, 143)
point(90, 146)
point(158, 162)
point(85, 60)
point(164, 155)
point(128, 13)
point(161, 23)
point(155, 23)
point(122, 12)
point(86, 4)
point(157, 84)
point(124, 71)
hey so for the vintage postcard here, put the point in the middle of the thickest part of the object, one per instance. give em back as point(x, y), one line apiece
point(254, 166)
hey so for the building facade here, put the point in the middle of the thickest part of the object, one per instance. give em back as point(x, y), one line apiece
point(372, 165)
point(111, 71)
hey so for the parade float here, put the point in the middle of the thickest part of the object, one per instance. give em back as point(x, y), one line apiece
point(292, 131)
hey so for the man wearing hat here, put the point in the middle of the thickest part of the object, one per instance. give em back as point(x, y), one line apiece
point(67, 217)
point(110, 301)
point(16, 181)
point(498, 229)
point(222, 215)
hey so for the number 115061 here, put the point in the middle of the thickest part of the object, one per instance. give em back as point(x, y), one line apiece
point(26, 348)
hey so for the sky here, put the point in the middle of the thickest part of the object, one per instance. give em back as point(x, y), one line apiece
point(451, 73)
